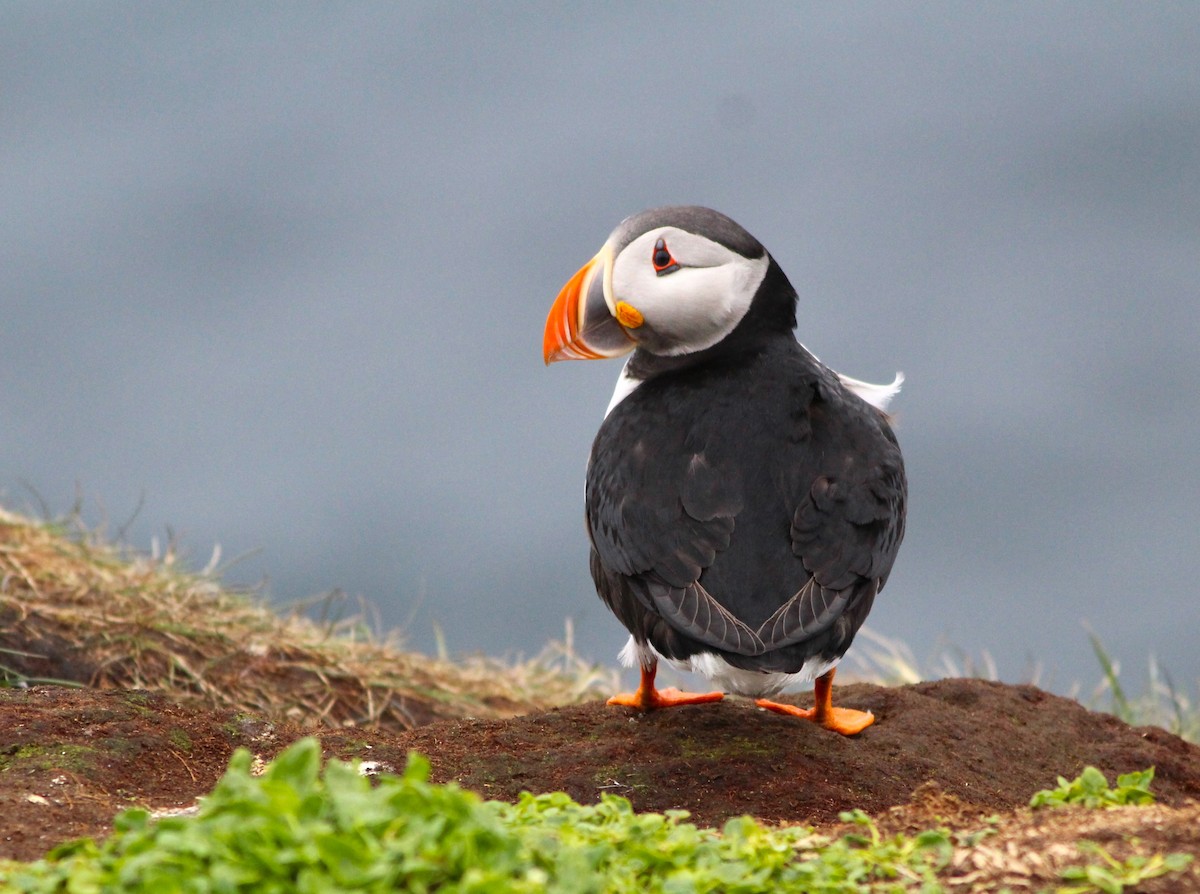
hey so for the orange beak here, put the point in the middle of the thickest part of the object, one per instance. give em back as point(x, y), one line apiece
point(580, 325)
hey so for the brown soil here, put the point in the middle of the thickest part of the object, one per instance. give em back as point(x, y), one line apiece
point(963, 753)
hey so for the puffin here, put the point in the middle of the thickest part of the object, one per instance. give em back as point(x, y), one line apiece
point(744, 502)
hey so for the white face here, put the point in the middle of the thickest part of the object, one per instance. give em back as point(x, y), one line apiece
point(695, 301)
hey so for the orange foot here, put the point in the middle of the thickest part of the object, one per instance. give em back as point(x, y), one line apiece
point(647, 698)
point(841, 720)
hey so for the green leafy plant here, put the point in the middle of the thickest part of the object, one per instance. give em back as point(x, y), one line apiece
point(298, 828)
point(294, 829)
point(1112, 876)
point(916, 858)
point(1090, 789)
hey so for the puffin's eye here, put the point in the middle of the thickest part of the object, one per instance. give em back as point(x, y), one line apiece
point(663, 262)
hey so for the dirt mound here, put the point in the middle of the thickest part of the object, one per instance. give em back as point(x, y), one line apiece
point(71, 758)
point(989, 745)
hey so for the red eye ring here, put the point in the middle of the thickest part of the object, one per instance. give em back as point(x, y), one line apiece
point(662, 259)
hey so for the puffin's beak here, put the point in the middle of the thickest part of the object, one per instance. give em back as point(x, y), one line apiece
point(580, 325)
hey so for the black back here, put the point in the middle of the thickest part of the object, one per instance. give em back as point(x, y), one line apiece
point(741, 501)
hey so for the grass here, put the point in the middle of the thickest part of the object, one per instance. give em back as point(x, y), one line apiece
point(1162, 704)
point(75, 610)
point(890, 662)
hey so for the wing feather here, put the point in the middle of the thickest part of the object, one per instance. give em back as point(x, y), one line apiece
point(811, 610)
point(693, 611)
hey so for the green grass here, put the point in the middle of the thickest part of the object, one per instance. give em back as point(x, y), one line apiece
point(1161, 704)
point(891, 662)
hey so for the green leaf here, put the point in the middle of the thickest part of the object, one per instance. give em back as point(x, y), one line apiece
point(1090, 789)
point(298, 828)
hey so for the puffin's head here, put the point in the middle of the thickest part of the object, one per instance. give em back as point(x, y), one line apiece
point(670, 281)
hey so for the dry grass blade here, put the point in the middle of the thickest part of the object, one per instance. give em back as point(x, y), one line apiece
point(76, 610)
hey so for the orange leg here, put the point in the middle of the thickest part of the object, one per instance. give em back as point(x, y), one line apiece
point(647, 698)
point(841, 720)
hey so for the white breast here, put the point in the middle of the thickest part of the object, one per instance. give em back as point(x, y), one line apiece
point(625, 385)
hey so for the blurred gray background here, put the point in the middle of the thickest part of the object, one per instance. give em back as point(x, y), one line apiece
point(277, 275)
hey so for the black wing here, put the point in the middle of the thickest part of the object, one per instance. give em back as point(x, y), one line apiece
point(747, 518)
